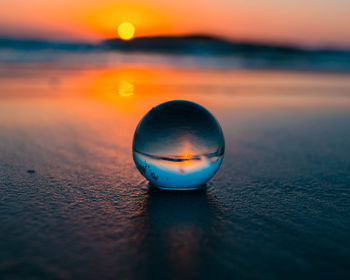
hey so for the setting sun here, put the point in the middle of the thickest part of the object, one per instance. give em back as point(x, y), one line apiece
point(126, 31)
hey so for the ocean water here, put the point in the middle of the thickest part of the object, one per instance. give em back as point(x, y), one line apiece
point(316, 60)
point(74, 206)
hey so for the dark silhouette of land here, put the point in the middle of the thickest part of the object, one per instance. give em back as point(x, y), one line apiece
point(191, 44)
point(250, 55)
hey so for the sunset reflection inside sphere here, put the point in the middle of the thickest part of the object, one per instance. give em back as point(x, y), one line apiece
point(178, 145)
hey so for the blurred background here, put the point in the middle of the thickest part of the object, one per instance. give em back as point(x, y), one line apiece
point(76, 77)
point(226, 34)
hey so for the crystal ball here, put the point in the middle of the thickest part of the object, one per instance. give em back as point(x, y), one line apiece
point(178, 145)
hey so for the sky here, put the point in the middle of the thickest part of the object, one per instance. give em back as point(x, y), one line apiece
point(297, 22)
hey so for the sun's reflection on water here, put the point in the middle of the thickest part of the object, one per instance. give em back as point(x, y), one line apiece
point(125, 88)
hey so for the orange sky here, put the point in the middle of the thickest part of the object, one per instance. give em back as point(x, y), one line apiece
point(312, 22)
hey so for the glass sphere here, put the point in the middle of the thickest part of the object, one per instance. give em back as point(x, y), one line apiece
point(178, 145)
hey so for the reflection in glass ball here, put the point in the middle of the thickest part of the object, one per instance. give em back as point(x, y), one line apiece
point(178, 145)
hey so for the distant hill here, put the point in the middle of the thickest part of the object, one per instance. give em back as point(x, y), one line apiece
point(202, 44)
point(240, 54)
point(191, 44)
point(227, 53)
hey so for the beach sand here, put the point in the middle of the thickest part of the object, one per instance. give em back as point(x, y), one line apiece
point(74, 206)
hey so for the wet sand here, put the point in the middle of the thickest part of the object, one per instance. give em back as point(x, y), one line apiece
point(74, 206)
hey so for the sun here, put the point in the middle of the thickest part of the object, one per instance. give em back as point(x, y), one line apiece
point(126, 30)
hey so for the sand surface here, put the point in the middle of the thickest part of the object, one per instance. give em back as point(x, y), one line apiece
point(279, 207)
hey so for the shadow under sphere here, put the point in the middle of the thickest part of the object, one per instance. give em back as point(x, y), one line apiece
point(178, 234)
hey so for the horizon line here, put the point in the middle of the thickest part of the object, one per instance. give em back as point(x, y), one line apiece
point(270, 43)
